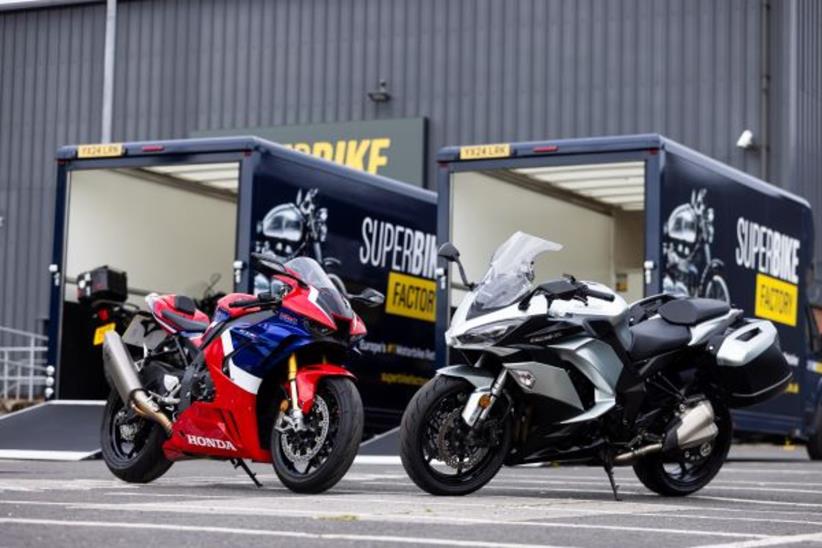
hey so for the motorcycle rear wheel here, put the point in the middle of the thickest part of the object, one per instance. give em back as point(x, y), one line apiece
point(343, 405)
point(138, 457)
point(659, 472)
point(435, 410)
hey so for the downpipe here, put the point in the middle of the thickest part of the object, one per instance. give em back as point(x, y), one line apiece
point(122, 374)
point(693, 427)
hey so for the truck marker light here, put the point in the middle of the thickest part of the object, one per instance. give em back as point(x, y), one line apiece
point(153, 148)
point(546, 148)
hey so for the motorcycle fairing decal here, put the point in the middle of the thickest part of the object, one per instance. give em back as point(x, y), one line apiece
point(310, 375)
point(240, 377)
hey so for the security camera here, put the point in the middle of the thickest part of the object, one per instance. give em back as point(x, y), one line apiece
point(746, 140)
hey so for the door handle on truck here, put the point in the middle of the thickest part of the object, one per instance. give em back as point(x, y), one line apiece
point(648, 266)
point(238, 271)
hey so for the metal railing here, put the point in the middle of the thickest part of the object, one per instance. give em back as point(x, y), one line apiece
point(24, 374)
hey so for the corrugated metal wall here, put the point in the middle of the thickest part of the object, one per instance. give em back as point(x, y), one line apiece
point(808, 133)
point(50, 90)
point(479, 70)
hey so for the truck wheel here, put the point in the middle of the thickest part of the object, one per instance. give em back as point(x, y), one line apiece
point(132, 446)
point(814, 444)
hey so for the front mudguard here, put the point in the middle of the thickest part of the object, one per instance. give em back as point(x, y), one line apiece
point(309, 376)
point(482, 381)
point(480, 378)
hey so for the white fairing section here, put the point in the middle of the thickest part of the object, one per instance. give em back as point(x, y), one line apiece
point(595, 308)
point(240, 377)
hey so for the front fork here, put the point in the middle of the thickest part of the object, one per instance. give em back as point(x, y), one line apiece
point(482, 400)
point(295, 412)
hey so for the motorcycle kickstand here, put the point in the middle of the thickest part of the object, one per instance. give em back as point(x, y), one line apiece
point(240, 463)
point(609, 470)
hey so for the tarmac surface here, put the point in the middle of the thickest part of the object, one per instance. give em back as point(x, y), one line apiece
point(765, 496)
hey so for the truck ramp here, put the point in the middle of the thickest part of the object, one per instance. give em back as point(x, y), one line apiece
point(55, 430)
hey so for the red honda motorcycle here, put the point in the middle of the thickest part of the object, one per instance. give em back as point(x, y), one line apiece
point(263, 381)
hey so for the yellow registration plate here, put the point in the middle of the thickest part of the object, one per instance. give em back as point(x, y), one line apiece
point(481, 152)
point(102, 150)
point(100, 333)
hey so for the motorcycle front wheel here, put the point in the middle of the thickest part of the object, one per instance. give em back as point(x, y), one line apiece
point(314, 459)
point(132, 446)
point(687, 471)
point(439, 451)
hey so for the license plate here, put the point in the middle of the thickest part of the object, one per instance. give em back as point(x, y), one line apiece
point(479, 152)
point(102, 150)
point(100, 333)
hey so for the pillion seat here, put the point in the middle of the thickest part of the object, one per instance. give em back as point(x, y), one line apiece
point(692, 311)
point(179, 313)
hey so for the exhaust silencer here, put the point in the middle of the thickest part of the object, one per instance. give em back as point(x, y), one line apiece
point(692, 428)
point(122, 374)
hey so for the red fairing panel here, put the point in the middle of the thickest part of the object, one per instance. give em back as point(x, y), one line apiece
point(225, 427)
point(309, 376)
point(303, 301)
point(357, 326)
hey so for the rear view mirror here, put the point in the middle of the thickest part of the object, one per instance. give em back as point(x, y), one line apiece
point(369, 297)
point(449, 252)
point(269, 263)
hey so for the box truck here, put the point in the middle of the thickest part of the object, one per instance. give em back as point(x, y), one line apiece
point(184, 216)
point(644, 214)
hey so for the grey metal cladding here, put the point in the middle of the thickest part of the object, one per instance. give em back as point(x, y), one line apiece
point(50, 92)
point(550, 382)
point(479, 70)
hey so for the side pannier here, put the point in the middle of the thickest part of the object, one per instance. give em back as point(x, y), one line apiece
point(750, 363)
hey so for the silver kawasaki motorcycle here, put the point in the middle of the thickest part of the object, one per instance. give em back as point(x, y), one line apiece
point(566, 371)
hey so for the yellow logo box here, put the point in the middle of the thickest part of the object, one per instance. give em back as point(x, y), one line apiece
point(411, 297)
point(479, 152)
point(104, 150)
point(776, 300)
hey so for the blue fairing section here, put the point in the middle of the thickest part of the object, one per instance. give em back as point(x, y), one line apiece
point(261, 346)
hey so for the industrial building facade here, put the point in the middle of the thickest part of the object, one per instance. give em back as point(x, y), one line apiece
point(473, 71)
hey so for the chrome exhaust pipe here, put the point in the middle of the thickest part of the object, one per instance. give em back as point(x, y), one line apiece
point(691, 428)
point(122, 375)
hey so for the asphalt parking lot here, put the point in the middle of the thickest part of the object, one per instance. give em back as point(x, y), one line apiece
point(764, 496)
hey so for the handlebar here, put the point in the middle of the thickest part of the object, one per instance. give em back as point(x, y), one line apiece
point(588, 292)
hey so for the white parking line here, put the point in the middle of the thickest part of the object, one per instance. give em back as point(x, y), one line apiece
point(757, 501)
point(771, 541)
point(267, 533)
point(726, 518)
point(224, 509)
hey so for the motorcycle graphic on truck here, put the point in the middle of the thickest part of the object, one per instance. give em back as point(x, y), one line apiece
point(295, 229)
point(690, 268)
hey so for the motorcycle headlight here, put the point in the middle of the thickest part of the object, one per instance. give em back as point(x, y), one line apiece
point(489, 333)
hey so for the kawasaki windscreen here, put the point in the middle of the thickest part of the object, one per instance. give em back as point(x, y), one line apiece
point(365, 236)
point(751, 247)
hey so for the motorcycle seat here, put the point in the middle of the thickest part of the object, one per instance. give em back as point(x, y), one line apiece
point(656, 336)
point(692, 311)
point(179, 313)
